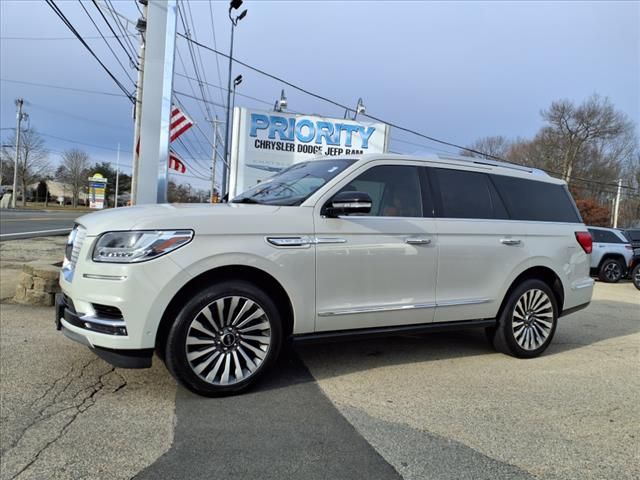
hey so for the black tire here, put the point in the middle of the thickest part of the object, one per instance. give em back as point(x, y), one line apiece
point(228, 349)
point(611, 271)
point(531, 334)
point(635, 276)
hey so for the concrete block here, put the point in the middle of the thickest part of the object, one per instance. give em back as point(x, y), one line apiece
point(38, 298)
point(25, 281)
point(20, 296)
point(41, 269)
point(45, 285)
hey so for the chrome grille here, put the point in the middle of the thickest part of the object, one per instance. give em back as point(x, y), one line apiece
point(77, 245)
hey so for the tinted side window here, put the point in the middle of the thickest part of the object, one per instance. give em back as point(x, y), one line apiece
point(394, 190)
point(468, 195)
point(610, 237)
point(536, 201)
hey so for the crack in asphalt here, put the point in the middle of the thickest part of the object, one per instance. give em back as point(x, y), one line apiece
point(81, 401)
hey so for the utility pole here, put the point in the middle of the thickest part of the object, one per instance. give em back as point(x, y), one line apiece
point(214, 157)
point(115, 205)
point(141, 26)
point(19, 117)
point(615, 213)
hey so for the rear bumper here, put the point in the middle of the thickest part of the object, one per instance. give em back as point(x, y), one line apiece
point(71, 324)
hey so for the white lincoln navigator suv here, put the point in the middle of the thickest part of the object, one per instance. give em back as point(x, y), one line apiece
point(337, 246)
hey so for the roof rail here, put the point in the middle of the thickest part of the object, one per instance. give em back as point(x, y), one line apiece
point(495, 163)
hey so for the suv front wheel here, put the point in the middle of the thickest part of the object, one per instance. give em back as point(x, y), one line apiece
point(527, 322)
point(224, 338)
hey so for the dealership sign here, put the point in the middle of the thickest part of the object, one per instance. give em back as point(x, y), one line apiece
point(264, 143)
point(97, 187)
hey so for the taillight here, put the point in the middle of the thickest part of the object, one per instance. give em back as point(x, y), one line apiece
point(584, 239)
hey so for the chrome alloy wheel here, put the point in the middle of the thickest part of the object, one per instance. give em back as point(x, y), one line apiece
point(612, 271)
point(532, 321)
point(228, 340)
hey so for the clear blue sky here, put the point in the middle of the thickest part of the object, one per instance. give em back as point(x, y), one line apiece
point(452, 70)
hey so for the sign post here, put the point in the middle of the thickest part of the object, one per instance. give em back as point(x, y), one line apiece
point(97, 187)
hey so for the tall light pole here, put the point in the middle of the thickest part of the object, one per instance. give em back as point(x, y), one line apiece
point(115, 205)
point(214, 157)
point(233, 5)
point(617, 205)
point(19, 117)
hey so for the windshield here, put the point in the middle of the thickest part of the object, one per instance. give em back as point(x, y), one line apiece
point(295, 184)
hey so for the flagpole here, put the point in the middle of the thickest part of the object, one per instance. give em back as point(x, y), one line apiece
point(117, 174)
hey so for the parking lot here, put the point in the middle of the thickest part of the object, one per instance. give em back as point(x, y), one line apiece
point(439, 406)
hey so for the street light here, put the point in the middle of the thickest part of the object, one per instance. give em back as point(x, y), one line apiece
point(360, 108)
point(236, 81)
point(233, 5)
point(281, 105)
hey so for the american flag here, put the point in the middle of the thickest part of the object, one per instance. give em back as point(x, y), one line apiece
point(180, 123)
point(175, 163)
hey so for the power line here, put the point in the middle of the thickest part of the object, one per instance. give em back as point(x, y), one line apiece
point(68, 24)
point(193, 60)
point(72, 89)
point(85, 144)
point(121, 27)
point(106, 42)
point(213, 34)
point(127, 52)
point(224, 89)
point(77, 117)
point(377, 119)
point(48, 39)
point(204, 70)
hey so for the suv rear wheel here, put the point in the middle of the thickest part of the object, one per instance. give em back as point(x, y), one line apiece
point(610, 271)
point(527, 322)
point(635, 276)
point(224, 338)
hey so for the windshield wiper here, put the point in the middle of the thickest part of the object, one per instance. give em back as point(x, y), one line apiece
point(245, 200)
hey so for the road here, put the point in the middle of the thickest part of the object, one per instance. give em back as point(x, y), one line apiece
point(17, 224)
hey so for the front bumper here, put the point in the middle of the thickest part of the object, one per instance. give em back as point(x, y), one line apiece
point(71, 324)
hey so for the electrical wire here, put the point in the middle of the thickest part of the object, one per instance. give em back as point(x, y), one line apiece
point(59, 87)
point(213, 34)
point(107, 43)
point(126, 52)
point(121, 28)
point(377, 119)
point(67, 23)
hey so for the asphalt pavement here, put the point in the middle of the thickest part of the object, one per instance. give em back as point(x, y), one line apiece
point(17, 224)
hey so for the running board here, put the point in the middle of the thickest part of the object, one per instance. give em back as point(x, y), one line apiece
point(394, 330)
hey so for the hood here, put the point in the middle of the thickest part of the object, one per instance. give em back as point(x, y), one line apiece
point(174, 216)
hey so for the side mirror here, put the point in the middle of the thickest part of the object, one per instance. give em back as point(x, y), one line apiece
point(347, 203)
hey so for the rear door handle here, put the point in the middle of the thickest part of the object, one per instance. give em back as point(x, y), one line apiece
point(510, 241)
point(418, 241)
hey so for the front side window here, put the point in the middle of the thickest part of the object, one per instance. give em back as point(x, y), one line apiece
point(295, 184)
point(394, 190)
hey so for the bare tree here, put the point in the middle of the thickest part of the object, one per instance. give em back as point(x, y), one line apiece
point(593, 126)
point(74, 171)
point(33, 163)
point(495, 146)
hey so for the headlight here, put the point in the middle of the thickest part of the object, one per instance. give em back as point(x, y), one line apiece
point(138, 246)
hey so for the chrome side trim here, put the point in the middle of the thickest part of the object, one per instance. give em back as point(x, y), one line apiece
point(394, 308)
point(380, 308)
point(586, 284)
point(302, 241)
point(290, 241)
point(94, 276)
point(327, 240)
point(455, 303)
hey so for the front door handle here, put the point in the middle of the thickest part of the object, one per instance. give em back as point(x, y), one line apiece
point(418, 241)
point(510, 241)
